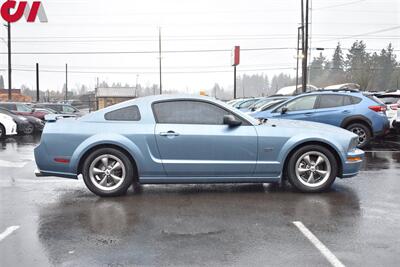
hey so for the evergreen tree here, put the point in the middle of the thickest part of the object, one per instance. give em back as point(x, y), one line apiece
point(337, 63)
point(317, 69)
point(358, 65)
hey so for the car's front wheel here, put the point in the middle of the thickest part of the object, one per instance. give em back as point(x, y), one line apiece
point(312, 168)
point(108, 172)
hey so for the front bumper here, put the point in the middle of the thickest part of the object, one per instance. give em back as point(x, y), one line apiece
point(353, 163)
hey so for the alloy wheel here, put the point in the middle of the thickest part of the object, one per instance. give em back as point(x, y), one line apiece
point(313, 169)
point(362, 135)
point(107, 172)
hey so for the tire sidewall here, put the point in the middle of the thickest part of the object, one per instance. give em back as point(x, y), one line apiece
point(121, 190)
point(3, 131)
point(366, 130)
point(292, 177)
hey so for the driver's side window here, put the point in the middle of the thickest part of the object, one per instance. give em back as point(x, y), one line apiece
point(189, 112)
point(302, 103)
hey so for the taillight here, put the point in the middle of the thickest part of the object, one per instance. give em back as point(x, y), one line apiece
point(378, 108)
point(394, 106)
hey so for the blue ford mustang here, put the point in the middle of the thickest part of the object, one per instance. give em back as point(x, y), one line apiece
point(187, 139)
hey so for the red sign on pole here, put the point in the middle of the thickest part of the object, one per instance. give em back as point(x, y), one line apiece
point(235, 56)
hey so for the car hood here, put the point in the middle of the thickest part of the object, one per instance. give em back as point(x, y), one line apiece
point(307, 126)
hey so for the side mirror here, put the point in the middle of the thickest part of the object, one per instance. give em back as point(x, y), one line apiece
point(284, 110)
point(231, 121)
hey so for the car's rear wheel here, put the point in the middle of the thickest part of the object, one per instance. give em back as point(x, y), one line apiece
point(2, 131)
point(363, 132)
point(312, 168)
point(29, 129)
point(108, 172)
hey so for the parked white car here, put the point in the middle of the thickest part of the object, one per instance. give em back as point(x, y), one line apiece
point(392, 102)
point(7, 126)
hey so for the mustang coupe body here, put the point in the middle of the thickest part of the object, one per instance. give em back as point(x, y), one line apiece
point(189, 139)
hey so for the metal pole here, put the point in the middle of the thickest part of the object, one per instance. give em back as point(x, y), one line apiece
point(37, 83)
point(9, 60)
point(297, 57)
point(159, 50)
point(305, 52)
point(234, 82)
point(66, 82)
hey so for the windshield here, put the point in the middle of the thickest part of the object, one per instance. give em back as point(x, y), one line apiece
point(260, 103)
point(273, 104)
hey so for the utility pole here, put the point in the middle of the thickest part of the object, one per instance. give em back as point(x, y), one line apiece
point(297, 57)
point(66, 82)
point(305, 46)
point(159, 51)
point(234, 82)
point(37, 83)
point(9, 60)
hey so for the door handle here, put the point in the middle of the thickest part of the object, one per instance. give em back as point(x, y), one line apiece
point(308, 113)
point(169, 133)
point(346, 111)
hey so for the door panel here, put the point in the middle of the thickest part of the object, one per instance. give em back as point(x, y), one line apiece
point(333, 109)
point(207, 150)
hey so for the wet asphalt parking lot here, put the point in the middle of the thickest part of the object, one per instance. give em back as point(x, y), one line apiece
point(55, 221)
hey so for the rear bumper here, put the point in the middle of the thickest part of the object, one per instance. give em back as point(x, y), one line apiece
point(350, 167)
point(385, 130)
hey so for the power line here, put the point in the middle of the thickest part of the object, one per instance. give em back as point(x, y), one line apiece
point(143, 52)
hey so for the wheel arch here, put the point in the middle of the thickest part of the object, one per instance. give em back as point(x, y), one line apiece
point(312, 142)
point(107, 145)
point(357, 119)
point(120, 142)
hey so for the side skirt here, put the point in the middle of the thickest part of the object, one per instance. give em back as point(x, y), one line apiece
point(207, 180)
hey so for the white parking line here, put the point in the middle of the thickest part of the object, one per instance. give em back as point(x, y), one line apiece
point(318, 244)
point(10, 164)
point(8, 232)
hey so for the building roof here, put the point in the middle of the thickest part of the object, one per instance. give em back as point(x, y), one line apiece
point(116, 92)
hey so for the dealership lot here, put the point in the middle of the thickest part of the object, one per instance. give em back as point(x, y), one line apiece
point(54, 221)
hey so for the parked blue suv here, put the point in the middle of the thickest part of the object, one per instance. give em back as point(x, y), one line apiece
point(362, 114)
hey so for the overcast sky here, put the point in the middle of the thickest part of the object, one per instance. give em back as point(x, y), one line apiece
point(118, 25)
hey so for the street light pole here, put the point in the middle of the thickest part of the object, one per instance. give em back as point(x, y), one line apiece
point(159, 51)
point(66, 82)
point(9, 60)
point(305, 48)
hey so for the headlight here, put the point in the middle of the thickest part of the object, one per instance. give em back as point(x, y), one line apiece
point(353, 143)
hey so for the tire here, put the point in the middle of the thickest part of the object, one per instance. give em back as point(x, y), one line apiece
point(103, 181)
point(363, 132)
point(29, 130)
point(307, 176)
point(2, 132)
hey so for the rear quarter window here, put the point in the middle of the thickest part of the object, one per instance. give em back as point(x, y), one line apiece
point(375, 99)
point(130, 113)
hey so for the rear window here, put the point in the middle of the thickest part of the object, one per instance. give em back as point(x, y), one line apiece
point(389, 99)
point(130, 113)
